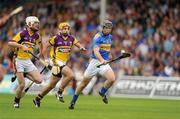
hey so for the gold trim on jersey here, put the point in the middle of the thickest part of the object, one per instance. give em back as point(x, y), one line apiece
point(105, 47)
point(64, 47)
point(64, 37)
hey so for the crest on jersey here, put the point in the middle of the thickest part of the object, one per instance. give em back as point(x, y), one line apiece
point(59, 43)
point(65, 42)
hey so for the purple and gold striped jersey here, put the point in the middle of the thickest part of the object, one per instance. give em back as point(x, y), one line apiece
point(24, 38)
point(61, 46)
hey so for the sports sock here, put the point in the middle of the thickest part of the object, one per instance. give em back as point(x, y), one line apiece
point(16, 100)
point(60, 91)
point(103, 90)
point(39, 97)
point(75, 97)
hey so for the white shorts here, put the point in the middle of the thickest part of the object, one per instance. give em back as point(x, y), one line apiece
point(92, 69)
point(24, 65)
point(59, 62)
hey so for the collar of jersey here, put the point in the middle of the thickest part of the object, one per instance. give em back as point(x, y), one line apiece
point(103, 34)
point(64, 37)
point(29, 33)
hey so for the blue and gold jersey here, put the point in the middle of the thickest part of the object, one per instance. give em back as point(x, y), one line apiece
point(104, 44)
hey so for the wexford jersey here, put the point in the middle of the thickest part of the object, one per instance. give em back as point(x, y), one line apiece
point(104, 44)
point(61, 46)
point(28, 40)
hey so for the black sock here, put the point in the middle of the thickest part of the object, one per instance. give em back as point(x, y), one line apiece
point(60, 91)
point(39, 97)
point(16, 100)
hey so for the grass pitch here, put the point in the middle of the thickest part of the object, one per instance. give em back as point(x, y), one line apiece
point(89, 107)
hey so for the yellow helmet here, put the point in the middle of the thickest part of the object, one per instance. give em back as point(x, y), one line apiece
point(64, 24)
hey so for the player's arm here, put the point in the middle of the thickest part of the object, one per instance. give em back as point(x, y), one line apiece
point(45, 50)
point(3, 20)
point(98, 55)
point(46, 46)
point(14, 43)
point(79, 45)
point(111, 55)
point(40, 49)
point(96, 49)
point(40, 45)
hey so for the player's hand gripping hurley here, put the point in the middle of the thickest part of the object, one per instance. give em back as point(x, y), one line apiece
point(42, 61)
point(124, 55)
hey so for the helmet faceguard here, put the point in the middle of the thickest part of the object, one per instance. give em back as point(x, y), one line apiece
point(33, 23)
point(107, 24)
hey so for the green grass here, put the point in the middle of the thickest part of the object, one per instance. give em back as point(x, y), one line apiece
point(89, 107)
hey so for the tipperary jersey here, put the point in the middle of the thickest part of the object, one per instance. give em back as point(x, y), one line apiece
point(61, 46)
point(104, 44)
point(28, 40)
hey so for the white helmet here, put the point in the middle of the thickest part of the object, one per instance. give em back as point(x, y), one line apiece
point(31, 20)
point(107, 24)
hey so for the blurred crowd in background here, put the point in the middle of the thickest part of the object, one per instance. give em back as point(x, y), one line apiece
point(148, 29)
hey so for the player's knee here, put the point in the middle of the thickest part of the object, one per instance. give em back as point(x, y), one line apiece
point(84, 83)
point(39, 81)
point(21, 86)
point(112, 80)
point(87, 77)
point(71, 76)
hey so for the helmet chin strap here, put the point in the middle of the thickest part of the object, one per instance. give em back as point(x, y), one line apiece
point(32, 29)
point(35, 30)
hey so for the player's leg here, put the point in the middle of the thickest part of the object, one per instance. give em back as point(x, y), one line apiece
point(67, 77)
point(78, 91)
point(88, 74)
point(109, 75)
point(82, 85)
point(20, 87)
point(2, 73)
point(33, 72)
point(52, 83)
point(14, 67)
point(35, 76)
point(19, 65)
